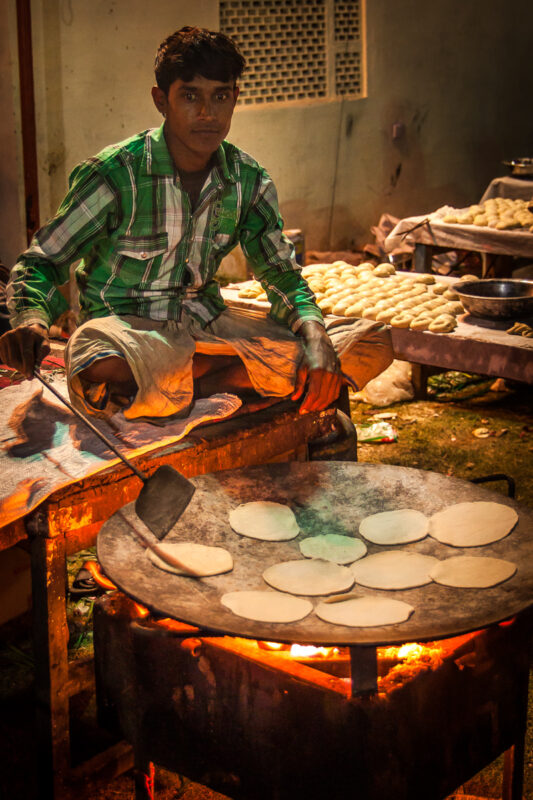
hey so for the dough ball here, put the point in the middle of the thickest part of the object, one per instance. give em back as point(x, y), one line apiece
point(394, 569)
point(310, 577)
point(386, 315)
point(333, 547)
point(472, 524)
point(472, 572)
point(264, 519)
point(420, 323)
point(266, 606)
point(395, 527)
point(444, 323)
point(199, 559)
point(402, 320)
point(449, 294)
point(340, 307)
point(365, 612)
point(383, 270)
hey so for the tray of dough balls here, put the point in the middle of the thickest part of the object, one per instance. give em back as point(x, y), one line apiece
point(403, 300)
point(499, 225)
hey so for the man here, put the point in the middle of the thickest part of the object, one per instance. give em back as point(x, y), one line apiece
point(151, 218)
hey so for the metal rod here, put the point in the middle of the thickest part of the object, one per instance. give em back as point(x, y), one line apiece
point(90, 425)
point(363, 671)
point(511, 486)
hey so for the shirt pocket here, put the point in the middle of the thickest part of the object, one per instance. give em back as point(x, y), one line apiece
point(136, 256)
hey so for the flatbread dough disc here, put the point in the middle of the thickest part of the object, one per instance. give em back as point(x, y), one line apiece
point(267, 606)
point(264, 519)
point(333, 547)
point(310, 577)
point(472, 524)
point(394, 569)
point(472, 572)
point(200, 558)
point(365, 612)
point(395, 527)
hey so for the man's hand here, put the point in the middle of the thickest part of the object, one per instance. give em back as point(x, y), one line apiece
point(319, 368)
point(24, 348)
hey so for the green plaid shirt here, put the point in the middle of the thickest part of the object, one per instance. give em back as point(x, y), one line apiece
point(145, 252)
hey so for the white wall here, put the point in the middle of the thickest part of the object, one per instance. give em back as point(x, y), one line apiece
point(12, 216)
point(455, 73)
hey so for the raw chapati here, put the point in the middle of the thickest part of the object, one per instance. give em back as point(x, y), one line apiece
point(264, 519)
point(365, 612)
point(311, 577)
point(267, 606)
point(472, 572)
point(394, 569)
point(333, 547)
point(395, 527)
point(472, 524)
point(201, 559)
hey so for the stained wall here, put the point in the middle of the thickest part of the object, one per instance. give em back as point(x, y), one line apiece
point(454, 75)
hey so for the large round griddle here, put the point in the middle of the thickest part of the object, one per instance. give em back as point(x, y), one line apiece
point(327, 497)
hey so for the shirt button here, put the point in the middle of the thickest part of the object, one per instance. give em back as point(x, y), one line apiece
point(143, 255)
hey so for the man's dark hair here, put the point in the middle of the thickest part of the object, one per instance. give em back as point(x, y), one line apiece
point(197, 51)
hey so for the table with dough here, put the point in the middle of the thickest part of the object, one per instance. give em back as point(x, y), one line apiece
point(470, 229)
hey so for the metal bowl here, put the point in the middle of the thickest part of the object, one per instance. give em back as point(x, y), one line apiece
point(497, 299)
point(520, 166)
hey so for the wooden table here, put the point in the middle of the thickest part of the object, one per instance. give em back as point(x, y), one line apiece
point(428, 234)
point(477, 346)
point(69, 520)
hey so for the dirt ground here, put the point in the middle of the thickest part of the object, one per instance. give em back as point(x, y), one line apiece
point(466, 438)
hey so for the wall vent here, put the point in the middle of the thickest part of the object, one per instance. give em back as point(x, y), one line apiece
point(297, 49)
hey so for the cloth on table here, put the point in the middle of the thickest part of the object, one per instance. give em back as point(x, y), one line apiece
point(45, 447)
point(430, 229)
point(507, 186)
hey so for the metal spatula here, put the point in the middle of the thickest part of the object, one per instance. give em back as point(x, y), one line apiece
point(164, 496)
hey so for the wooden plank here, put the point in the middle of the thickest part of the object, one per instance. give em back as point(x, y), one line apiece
point(50, 637)
point(481, 351)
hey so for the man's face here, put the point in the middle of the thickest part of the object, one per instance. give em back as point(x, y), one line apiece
point(198, 117)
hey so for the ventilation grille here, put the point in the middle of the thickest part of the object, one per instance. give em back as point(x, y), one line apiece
point(347, 73)
point(347, 21)
point(296, 49)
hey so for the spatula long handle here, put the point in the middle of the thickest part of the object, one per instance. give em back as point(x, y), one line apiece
point(90, 425)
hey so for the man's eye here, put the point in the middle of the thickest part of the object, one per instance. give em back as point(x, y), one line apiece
point(222, 96)
point(190, 96)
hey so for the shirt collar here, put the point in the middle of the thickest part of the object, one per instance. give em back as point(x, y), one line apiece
point(158, 161)
point(156, 158)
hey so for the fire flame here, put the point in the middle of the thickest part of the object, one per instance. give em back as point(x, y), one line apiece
point(94, 568)
point(301, 650)
point(307, 651)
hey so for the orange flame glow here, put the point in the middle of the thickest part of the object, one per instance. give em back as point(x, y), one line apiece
point(94, 568)
point(308, 651)
point(142, 611)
